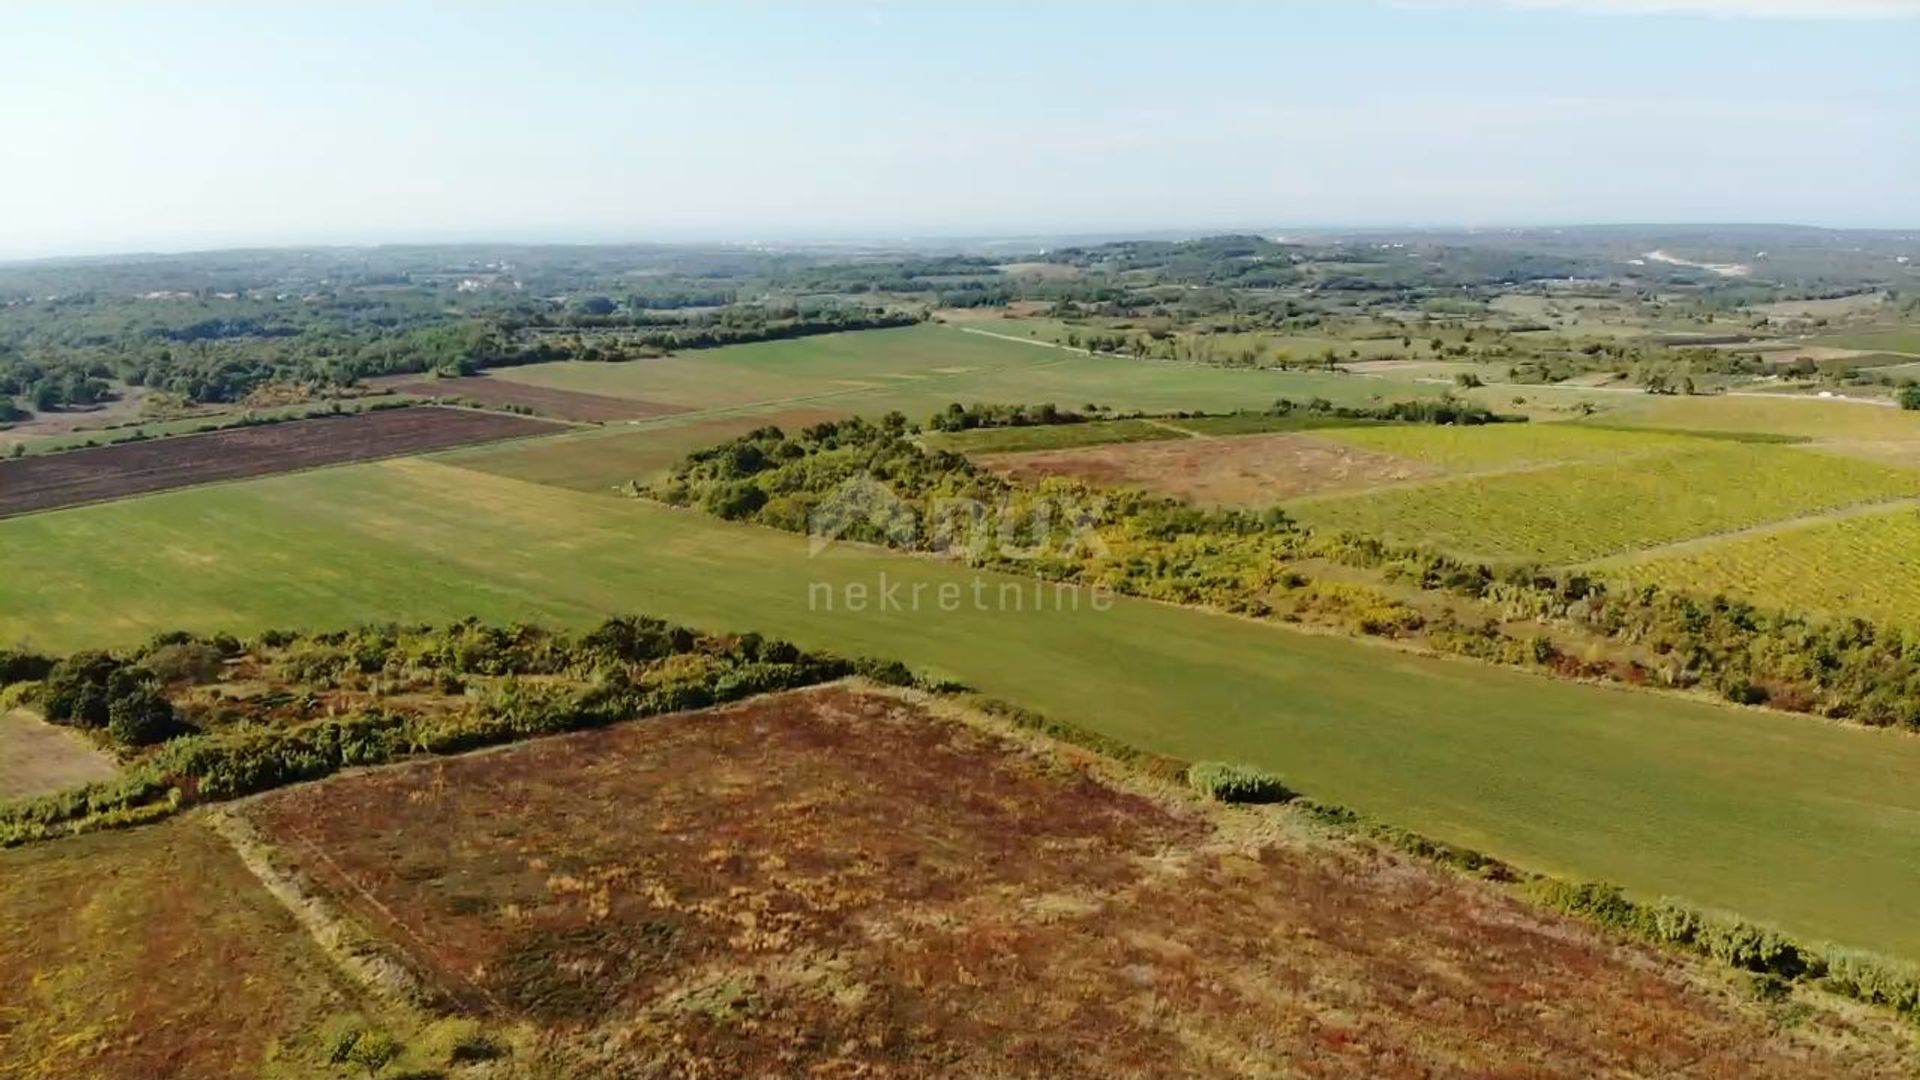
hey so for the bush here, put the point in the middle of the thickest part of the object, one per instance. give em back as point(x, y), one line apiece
point(77, 689)
point(458, 1041)
point(1238, 783)
point(374, 1051)
point(19, 665)
point(184, 662)
point(141, 716)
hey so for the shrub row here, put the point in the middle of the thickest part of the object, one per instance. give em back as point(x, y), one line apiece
point(684, 670)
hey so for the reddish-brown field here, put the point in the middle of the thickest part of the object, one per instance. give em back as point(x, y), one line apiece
point(546, 401)
point(839, 883)
point(153, 953)
point(33, 484)
point(1239, 470)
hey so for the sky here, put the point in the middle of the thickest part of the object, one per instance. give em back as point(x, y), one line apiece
point(174, 126)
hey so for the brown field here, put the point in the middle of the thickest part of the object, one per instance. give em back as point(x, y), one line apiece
point(53, 481)
point(544, 400)
point(1244, 470)
point(839, 883)
point(37, 758)
point(152, 953)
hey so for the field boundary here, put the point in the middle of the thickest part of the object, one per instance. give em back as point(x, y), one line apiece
point(357, 954)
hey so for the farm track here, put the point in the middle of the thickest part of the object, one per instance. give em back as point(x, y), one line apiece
point(79, 477)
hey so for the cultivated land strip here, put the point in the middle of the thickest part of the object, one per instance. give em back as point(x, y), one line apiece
point(1713, 540)
point(79, 477)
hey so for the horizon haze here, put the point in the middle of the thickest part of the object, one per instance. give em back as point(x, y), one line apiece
point(163, 128)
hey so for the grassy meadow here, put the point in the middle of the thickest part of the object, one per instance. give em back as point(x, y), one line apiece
point(1785, 819)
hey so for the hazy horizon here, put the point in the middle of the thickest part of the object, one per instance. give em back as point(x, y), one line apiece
point(165, 129)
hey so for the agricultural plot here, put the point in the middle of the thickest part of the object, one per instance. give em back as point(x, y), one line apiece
point(604, 460)
point(920, 369)
point(1729, 808)
point(1866, 565)
point(37, 758)
point(542, 400)
point(34, 484)
point(1809, 418)
point(1243, 470)
point(796, 904)
point(778, 372)
point(1893, 339)
point(1574, 513)
point(1501, 446)
point(155, 953)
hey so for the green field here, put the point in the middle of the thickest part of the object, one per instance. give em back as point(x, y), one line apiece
point(1573, 513)
point(1051, 436)
point(1491, 446)
point(1813, 826)
point(1861, 566)
point(606, 458)
point(922, 368)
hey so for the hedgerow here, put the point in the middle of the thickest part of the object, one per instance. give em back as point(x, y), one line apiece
point(626, 668)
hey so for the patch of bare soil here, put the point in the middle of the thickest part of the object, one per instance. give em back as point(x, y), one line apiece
point(841, 883)
point(37, 758)
point(1240, 470)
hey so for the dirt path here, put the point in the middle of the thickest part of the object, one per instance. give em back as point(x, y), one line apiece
point(1701, 543)
point(37, 758)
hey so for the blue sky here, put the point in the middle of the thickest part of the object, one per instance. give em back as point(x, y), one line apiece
point(177, 126)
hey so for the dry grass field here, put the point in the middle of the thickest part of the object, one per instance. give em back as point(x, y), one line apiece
point(842, 883)
point(154, 953)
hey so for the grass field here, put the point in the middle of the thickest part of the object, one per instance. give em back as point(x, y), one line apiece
point(1783, 818)
point(155, 953)
point(922, 368)
point(1574, 513)
point(1865, 566)
point(794, 878)
point(604, 459)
